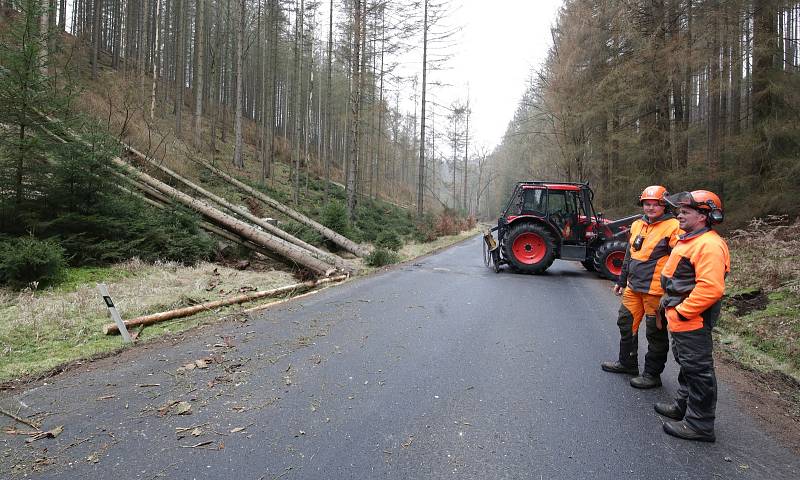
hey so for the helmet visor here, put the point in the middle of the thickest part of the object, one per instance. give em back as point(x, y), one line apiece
point(681, 199)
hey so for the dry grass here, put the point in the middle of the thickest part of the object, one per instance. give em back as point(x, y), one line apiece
point(39, 330)
point(765, 264)
point(413, 250)
point(765, 254)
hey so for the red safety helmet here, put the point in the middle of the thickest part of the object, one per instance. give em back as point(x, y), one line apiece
point(654, 192)
point(702, 200)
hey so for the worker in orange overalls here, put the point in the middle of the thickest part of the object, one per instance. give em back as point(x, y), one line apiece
point(639, 283)
point(694, 282)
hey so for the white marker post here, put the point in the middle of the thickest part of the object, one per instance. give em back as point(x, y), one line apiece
point(112, 310)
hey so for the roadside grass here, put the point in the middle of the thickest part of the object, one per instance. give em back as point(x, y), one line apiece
point(40, 330)
point(414, 249)
point(760, 324)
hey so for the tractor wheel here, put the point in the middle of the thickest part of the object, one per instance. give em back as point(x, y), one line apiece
point(588, 264)
point(608, 259)
point(530, 248)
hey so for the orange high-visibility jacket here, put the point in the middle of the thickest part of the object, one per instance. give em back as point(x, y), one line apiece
point(694, 278)
point(641, 269)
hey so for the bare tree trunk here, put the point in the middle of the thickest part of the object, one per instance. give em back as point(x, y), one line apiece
point(297, 96)
point(712, 148)
point(117, 34)
point(96, 36)
point(156, 60)
point(736, 74)
point(180, 65)
point(355, 106)
point(197, 83)
point(329, 105)
point(62, 14)
point(238, 160)
point(44, 31)
point(421, 180)
point(466, 155)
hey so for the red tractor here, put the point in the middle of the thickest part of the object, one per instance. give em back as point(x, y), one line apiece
point(544, 221)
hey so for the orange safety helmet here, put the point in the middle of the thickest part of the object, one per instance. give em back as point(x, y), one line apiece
point(702, 200)
point(654, 192)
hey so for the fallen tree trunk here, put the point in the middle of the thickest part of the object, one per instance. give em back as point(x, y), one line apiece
point(204, 225)
point(112, 328)
point(227, 222)
point(262, 242)
point(326, 232)
point(324, 256)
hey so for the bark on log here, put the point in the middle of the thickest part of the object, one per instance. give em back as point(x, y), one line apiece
point(111, 328)
point(314, 251)
point(242, 229)
point(326, 232)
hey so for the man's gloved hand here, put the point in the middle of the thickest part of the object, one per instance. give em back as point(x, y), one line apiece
point(618, 289)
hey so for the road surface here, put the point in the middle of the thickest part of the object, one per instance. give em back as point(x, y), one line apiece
point(436, 369)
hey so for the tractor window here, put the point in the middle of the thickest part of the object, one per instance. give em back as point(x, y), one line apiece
point(534, 201)
point(558, 203)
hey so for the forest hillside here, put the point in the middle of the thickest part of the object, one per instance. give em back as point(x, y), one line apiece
point(685, 93)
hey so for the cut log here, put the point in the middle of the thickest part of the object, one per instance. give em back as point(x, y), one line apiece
point(111, 328)
point(338, 239)
point(227, 222)
point(316, 252)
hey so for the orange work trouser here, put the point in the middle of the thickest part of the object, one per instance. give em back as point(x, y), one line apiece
point(636, 306)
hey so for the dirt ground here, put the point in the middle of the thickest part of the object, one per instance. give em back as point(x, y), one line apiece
point(773, 399)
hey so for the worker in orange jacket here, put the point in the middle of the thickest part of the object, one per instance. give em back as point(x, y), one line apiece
point(639, 283)
point(694, 282)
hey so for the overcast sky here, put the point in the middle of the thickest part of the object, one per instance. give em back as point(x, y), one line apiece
point(501, 42)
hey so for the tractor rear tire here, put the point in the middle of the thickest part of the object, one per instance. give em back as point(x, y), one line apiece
point(530, 248)
point(608, 259)
point(588, 264)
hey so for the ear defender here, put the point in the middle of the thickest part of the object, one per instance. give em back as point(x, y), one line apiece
point(715, 216)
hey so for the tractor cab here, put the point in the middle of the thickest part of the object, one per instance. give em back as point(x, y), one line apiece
point(544, 221)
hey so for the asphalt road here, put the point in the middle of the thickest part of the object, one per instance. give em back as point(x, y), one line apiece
point(438, 369)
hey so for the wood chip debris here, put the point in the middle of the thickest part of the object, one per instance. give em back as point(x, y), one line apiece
point(48, 434)
point(176, 408)
point(19, 419)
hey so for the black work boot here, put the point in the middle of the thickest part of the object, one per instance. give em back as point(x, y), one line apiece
point(670, 410)
point(616, 367)
point(684, 431)
point(646, 381)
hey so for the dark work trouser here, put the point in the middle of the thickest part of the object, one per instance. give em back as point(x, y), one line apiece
point(636, 306)
point(697, 382)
